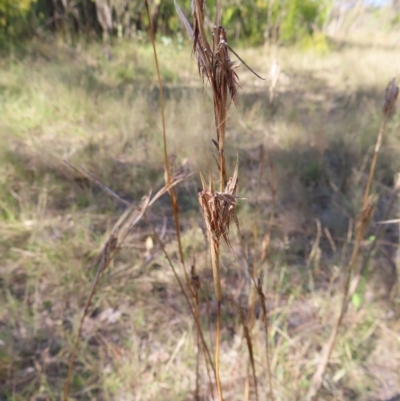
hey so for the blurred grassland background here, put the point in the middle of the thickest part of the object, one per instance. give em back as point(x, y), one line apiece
point(66, 97)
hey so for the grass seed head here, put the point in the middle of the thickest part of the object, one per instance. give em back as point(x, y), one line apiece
point(195, 279)
point(219, 208)
point(391, 94)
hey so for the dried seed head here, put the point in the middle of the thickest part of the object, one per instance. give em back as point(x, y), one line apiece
point(219, 208)
point(213, 60)
point(391, 94)
point(194, 279)
point(367, 211)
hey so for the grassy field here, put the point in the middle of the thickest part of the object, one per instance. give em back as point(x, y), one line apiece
point(313, 144)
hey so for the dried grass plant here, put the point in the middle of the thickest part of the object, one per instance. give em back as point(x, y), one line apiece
point(122, 229)
point(218, 206)
point(363, 220)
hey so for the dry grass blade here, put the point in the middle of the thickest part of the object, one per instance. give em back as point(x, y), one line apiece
point(184, 20)
point(110, 249)
point(192, 310)
point(172, 193)
point(174, 180)
point(196, 286)
point(120, 232)
point(217, 348)
point(256, 258)
point(107, 255)
point(265, 321)
point(365, 215)
point(92, 178)
point(249, 344)
point(245, 64)
point(374, 243)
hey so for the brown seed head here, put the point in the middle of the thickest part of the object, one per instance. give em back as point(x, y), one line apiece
point(194, 279)
point(219, 208)
point(391, 94)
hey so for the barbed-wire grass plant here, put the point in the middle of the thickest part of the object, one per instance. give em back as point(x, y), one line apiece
point(218, 206)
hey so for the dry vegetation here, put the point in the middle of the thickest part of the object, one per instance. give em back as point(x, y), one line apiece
point(314, 144)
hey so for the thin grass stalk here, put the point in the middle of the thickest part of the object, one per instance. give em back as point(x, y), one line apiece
point(215, 261)
point(220, 104)
point(197, 389)
point(108, 253)
point(375, 158)
point(248, 339)
point(214, 243)
point(267, 237)
point(123, 227)
point(217, 347)
point(196, 286)
point(256, 258)
point(218, 209)
point(265, 321)
point(247, 327)
point(364, 217)
point(249, 344)
point(172, 193)
point(192, 311)
point(195, 283)
point(377, 237)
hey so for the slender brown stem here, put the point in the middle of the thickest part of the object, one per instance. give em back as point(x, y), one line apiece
point(267, 237)
point(364, 217)
point(375, 158)
point(107, 255)
point(265, 320)
point(196, 286)
point(256, 258)
point(217, 346)
point(197, 391)
point(193, 312)
point(249, 343)
point(172, 193)
point(368, 254)
point(214, 248)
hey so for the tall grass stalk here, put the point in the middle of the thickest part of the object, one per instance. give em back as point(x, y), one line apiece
point(265, 321)
point(172, 193)
point(196, 317)
point(218, 207)
point(175, 209)
point(364, 217)
point(256, 256)
point(247, 336)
